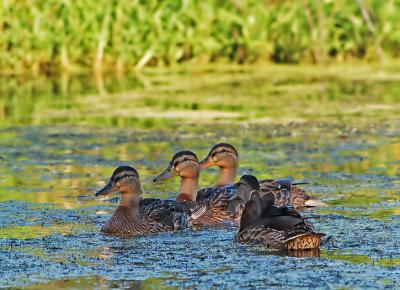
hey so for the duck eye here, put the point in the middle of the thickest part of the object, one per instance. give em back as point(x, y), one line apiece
point(223, 150)
point(185, 159)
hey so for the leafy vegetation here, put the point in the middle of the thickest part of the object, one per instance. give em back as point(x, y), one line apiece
point(48, 35)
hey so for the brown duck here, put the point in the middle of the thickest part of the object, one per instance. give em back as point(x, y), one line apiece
point(209, 206)
point(264, 224)
point(135, 216)
point(226, 157)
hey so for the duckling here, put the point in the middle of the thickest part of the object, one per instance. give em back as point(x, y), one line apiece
point(135, 216)
point(226, 157)
point(209, 206)
point(264, 224)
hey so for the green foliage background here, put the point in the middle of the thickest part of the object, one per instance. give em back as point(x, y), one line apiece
point(47, 35)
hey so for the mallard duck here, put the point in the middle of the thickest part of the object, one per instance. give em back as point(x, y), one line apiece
point(135, 216)
point(209, 206)
point(264, 224)
point(226, 157)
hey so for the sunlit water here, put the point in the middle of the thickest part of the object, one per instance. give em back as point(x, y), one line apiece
point(61, 138)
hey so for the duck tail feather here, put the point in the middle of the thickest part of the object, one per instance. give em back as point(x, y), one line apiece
point(300, 183)
point(314, 203)
point(304, 241)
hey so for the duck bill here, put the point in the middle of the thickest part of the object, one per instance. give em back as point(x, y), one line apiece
point(207, 162)
point(236, 195)
point(166, 174)
point(106, 189)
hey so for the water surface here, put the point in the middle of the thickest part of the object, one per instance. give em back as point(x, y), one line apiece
point(61, 138)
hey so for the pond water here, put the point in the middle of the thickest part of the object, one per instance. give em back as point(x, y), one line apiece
point(337, 128)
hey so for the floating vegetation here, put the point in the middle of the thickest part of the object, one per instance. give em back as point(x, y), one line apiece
point(51, 166)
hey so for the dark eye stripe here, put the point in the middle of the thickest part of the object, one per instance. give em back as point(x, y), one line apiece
point(176, 163)
point(222, 151)
point(118, 178)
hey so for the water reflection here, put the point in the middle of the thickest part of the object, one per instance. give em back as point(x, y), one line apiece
point(161, 99)
point(311, 253)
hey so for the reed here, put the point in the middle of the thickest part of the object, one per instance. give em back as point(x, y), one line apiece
point(52, 35)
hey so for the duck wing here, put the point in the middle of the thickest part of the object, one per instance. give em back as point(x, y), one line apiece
point(169, 212)
point(281, 223)
point(251, 213)
point(285, 192)
point(267, 202)
point(147, 201)
point(297, 238)
point(281, 195)
point(216, 208)
point(289, 210)
point(262, 236)
point(286, 182)
point(205, 193)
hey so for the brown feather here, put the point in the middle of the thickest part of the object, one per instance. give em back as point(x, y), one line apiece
point(275, 227)
point(216, 208)
point(296, 196)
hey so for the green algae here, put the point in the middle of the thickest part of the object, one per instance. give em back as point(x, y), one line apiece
point(348, 255)
point(335, 128)
point(37, 231)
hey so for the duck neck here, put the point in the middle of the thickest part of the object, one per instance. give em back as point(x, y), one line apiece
point(188, 190)
point(130, 198)
point(227, 175)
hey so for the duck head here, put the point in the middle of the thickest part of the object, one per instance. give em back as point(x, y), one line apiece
point(247, 185)
point(261, 210)
point(185, 165)
point(226, 157)
point(124, 180)
point(248, 190)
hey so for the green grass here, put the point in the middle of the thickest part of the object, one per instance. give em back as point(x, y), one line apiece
point(52, 35)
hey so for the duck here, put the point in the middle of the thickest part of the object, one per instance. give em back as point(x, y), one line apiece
point(209, 206)
point(264, 224)
point(286, 191)
point(136, 216)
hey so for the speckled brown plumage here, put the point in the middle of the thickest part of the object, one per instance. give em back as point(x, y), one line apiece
point(265, 224)
point(214, 207)
point(154, 216)
point(209, 206)
point(294, 196)
point(124, 223)
point(301, 237)
point(226, 157)
point(137, 216)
